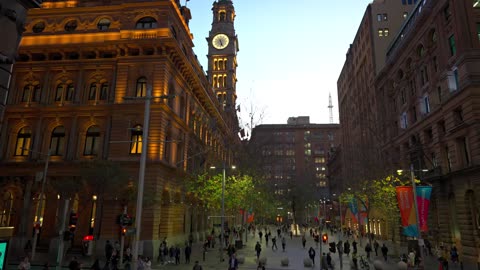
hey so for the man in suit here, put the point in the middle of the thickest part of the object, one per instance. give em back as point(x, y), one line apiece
point(232, 263)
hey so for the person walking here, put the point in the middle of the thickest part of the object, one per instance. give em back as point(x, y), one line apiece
point(188, 252)
point(304, 241)
point(258, 249)
point(284, 243)
point(177, 255)
point(274, 243)
point(267, 236)
point(346, 248)
point(233, 263)
point(260, 234)
point(368, 249)
point(197, 266)
point(384, 252)
point(311, 254)
point(354, 245)
point(108, 250)
point(375, 247)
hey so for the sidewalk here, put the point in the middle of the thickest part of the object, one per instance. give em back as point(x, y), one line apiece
point(294, 252)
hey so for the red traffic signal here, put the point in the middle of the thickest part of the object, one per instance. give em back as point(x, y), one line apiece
point(324, 238)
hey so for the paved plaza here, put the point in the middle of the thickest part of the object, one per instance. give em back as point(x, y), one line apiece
point(294, 252)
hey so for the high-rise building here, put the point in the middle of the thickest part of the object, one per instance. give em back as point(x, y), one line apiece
point(430, 114)
point(84, 71)
point(12, 18)
point(356, 92)
point(293, 158)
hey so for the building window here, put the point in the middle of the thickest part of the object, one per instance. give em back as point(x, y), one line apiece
point(386, 32)
point(141, 89)
point(92, 94)
point(38, 27)
point(414, 114)
point(70, 26)
point(6, 209)
point(103, 24)
point(435, 64)
point(404, 120)
point(439, 94)
point(57, 141)
point(64, 92)
point(136, 140)
point(30, 93)
point(92, 141)
point(447, 13)
point(426, 104)
point(104, 91)
point(451, 43)
point(22, 146)
point(146, 23)
point(478, 31)
point(449, 160)
point(434, 160)
point(380, 32)
point(464, 151)
point(458, 115)
point(379, 17)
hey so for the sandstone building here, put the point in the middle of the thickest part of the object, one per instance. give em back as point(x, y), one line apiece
point(78, 90)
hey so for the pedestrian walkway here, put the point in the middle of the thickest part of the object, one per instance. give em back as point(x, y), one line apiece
point(294, 252)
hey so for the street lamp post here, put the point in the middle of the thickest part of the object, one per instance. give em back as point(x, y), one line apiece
point(415, 204)
point(222, 223)
point(141, 178)
point(40, 203)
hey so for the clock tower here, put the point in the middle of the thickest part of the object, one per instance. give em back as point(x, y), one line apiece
point(222, 54)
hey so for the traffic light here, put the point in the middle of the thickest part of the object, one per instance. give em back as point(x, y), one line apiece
point(324, 238)
point(73, 219)
point(332, 247)
point(124, 231)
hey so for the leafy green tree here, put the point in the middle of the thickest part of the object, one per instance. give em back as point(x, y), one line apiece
point(378, 194)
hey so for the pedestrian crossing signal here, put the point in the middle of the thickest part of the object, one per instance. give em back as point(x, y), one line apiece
point(324, 238)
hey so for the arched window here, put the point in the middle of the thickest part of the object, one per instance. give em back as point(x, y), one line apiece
point(64, 92)
point(136, 140)
point(39, 209)
point(70, 92)
point(30, 93)
point(141, 87)
point(146, 23)
point(103, 24)
point(92, 94)
point(57, 141)
point(92, 141)
point(22, 145)
point(6, 208)
point(104, 91)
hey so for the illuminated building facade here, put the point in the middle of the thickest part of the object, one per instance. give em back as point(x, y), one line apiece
point(429, 96)
point(77, 64)
point(295, 154)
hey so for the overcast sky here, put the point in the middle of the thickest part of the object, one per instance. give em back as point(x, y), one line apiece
point(291, 53)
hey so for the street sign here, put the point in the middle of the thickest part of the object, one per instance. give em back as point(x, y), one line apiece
point(131, 231)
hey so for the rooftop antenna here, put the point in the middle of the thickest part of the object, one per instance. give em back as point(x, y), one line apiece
point(330, 107)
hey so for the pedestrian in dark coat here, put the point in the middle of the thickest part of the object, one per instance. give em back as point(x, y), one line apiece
point(346, 247)
point(384, 252)
point(311, 254)
point(258, 249)
point(188, 252)
point(108, 250)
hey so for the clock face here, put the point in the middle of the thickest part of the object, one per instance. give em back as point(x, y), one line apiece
point(220, 41)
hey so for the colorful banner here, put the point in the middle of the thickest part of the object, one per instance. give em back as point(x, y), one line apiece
point(407, 208)
point(352, 204)
point(423, 201)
